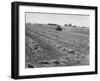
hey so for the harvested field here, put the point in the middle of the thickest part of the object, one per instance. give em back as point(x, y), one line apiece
point(47, 47)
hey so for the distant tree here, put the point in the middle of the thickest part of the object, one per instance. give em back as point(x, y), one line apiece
point(58, 28)
point(52, 24)
point(83, 27)
point(65, 25)
point(70, 24)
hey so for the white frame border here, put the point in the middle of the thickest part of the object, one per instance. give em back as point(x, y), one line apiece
point(54, 70)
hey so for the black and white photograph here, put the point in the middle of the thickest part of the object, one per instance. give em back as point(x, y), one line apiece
point(50, 40)
point(56, 40)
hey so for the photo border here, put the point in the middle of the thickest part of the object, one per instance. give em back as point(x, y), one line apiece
point(15, 39)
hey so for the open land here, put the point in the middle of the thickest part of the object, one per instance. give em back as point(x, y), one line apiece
point(47, 47)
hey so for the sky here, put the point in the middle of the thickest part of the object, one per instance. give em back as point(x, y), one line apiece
point(61, 19)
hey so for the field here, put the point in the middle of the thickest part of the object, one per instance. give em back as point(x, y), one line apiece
point(47, 47)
